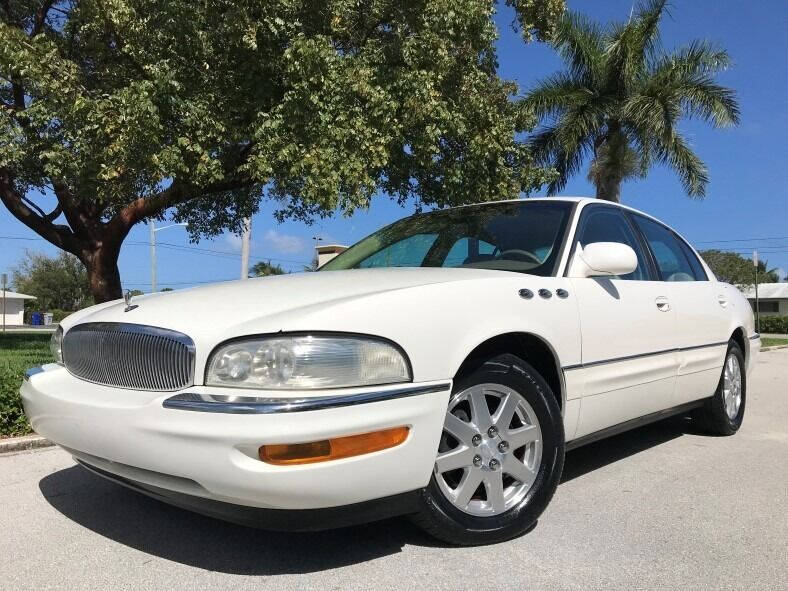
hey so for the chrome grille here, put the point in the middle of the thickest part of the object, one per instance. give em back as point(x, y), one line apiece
point(130, 356)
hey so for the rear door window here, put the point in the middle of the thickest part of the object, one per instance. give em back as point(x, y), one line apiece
point(669, 252)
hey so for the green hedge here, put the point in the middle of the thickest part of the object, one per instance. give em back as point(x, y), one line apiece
point(774, 324)
point(18, 352)
point(58, 315)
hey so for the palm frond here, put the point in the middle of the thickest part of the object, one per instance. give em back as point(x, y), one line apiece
point(633, 45)
point(646, 38)
point(556, 94)
point(580, 42)
point(565, 145)
point(567, 162)
point(651, 114)
point(699, 57)
point(685, 78)
point(711, 102)
point(690, 169)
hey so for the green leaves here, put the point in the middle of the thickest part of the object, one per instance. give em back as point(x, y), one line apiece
point(621, 100)
point(738, 270)
point(319, 105)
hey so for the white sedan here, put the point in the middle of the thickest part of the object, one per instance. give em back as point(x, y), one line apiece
point(440, 368)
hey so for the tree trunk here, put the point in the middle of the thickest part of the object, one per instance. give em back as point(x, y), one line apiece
point(608, 188)
point(103, 274)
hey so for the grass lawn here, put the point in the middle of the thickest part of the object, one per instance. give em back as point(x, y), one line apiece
point(18, 352)
point(772, 342)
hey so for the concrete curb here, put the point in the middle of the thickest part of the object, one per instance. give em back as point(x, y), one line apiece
point(26, 442)
point(774, 347)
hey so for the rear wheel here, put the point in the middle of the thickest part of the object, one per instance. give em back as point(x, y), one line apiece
point(500, 456)
point(723, 413)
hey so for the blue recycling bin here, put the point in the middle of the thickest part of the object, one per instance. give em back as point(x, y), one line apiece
point(37, 319)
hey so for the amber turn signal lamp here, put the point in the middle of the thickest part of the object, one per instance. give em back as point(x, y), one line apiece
point(289, 454)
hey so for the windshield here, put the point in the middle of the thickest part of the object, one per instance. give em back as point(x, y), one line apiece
point(523, 236)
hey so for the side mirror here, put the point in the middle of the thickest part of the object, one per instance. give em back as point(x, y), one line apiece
point(603, 259)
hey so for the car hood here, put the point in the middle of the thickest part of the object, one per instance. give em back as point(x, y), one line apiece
point(218, 307)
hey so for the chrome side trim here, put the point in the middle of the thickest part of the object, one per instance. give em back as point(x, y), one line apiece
point(755, 337)
point(640, 355)
point(254, 405)
point(29, 373)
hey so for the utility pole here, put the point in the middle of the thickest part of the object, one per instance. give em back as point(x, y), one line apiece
point(4, 278)
point(153, 229)
point(245, 238)
point(316, 260)
point(757, 301)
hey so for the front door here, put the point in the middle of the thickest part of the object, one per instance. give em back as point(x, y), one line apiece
point(627, 323)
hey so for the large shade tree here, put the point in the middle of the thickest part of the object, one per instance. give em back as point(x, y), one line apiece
point(620, 100)
point(736, 269)
point(57, 282)
point(116, 111)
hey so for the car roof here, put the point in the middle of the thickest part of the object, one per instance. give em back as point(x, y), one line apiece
point(570, 199)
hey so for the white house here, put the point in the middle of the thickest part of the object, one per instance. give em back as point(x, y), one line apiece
point(327, 252)
point(772, 298)
point(14, 307)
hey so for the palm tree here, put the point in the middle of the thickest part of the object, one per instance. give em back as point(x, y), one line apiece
point(264, 269)
point(620, 101)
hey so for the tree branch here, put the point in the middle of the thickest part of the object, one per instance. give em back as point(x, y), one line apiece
point(54, 214)
point(76, 215)
point(59, 235)
point(175, 194)
point(41, 17)
point(31, 205)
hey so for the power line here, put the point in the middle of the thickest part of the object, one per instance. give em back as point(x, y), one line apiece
point(194, 249)
point(165, 283)
point(741, 240)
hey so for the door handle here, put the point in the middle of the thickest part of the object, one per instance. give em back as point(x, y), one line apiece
point(663, 305)
point(722, 300)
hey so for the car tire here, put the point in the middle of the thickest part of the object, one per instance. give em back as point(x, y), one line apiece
point(723, 413)
point(496, 512)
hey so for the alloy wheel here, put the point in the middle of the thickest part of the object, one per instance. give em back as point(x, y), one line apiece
point(731, 386)
point(490, 450)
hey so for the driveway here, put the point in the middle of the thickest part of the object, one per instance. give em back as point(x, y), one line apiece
point(662, 507)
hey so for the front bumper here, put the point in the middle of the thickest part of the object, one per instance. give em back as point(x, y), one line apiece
point(213, 455)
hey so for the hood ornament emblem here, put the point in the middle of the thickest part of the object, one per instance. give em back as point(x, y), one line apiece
point(127, 298)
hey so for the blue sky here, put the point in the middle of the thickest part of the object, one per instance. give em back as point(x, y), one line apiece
point(746, 198)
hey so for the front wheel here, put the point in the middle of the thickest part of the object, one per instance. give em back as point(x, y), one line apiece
point(500, 456)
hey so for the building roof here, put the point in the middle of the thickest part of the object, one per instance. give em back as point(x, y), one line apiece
point(12, 295)
point(768, 291)
point(331, 248)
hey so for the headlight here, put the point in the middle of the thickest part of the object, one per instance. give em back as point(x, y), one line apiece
point(298, 362)
point(56, 345)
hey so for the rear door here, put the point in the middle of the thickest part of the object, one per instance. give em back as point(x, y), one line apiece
point(701, 305)
point(627, 326)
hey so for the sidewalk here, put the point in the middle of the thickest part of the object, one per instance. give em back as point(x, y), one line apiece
point(30, 328)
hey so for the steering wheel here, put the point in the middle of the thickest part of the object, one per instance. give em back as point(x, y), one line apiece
point(520, 254)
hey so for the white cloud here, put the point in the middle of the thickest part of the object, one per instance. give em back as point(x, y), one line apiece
point(285, 243)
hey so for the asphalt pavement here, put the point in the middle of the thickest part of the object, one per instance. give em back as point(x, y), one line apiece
point(661, 507)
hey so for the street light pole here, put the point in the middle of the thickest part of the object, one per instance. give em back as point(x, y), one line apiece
point(245, 239)
point(5, 280)
point(153, 229)
point(757, 301)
